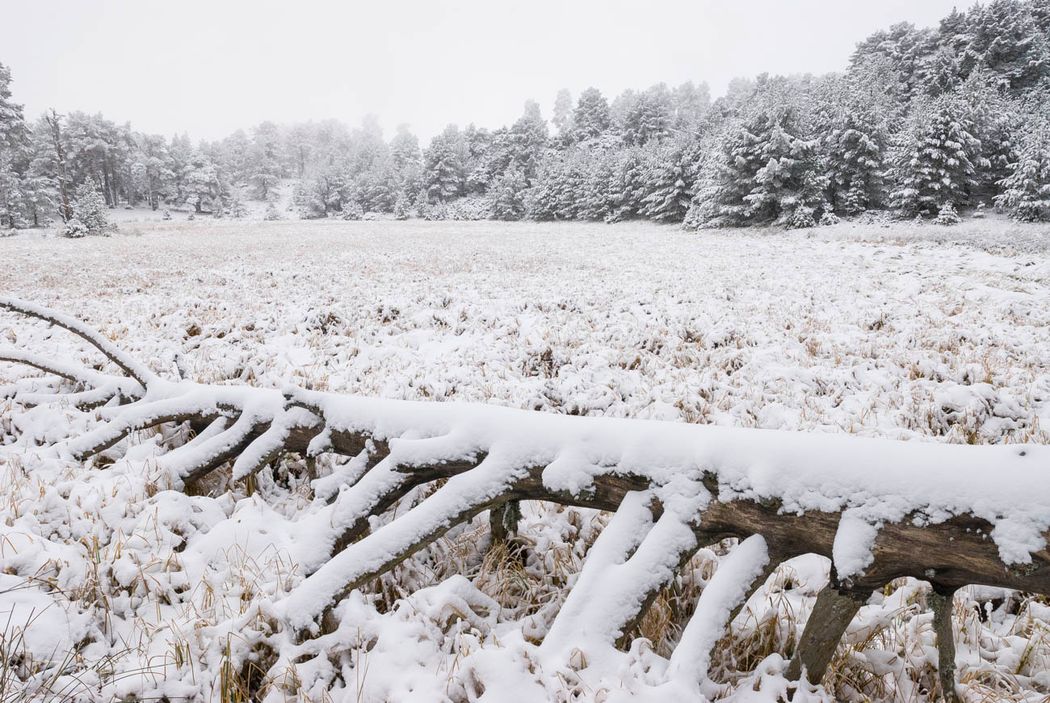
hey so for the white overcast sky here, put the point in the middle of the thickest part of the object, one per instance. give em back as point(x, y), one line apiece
point(208, 67)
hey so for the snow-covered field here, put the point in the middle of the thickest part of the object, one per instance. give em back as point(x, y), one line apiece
point(922, 333)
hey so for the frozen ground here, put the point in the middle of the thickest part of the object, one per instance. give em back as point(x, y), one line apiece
point(919, 333)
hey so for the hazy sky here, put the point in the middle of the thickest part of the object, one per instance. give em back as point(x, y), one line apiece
point(208, 67)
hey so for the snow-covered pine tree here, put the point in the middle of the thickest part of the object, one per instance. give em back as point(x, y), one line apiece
point(768, 172)
point(729, 174)
point(265, 167)
point(669, 180)
point(627, 186)
point(1026, 190)
point(1008, 41)
point(507, 195)
point(591, 117)
point(401, 206)
point(789, 189)
point(936, 159)
point(444, 170)
point(352, 210)
point(947, 215)
point(854, 148)
point(528, 139)
point(996, 119)
point(562, 118)
point(648, 116)
point(89, 213)
point(19, 193)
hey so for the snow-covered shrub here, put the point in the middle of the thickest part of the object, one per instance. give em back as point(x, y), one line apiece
point(469, 208)
point(829, 219)
point(271, 213)
point(74, 229)
point(237, 208)
point(89, 214)
point(353, 211)
point(801, 218)
point(947, 215)
point(401, 206)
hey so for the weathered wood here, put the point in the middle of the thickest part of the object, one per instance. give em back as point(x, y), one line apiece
point(948, 554)
point(832, 614)
point(503, 521)
point(942, 604)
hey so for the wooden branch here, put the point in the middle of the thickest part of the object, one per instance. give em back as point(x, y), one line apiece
point(948, 553)
point(70, 372)
point(942, 604)
point(127, 364)
point(832, 614)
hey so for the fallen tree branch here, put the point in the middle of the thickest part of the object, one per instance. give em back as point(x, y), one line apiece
point(947, 514)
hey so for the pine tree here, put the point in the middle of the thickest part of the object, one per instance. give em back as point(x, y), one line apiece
point(627, 186)
point(507, 196)
point(947, 215)
point(668, 183)
point(789, 188)
point(1010, 44)
point(730, 174)
point(19, 192)
point(591, 117)
point(89, 213)
point(528, 140)
point(1026, 190)
point(562, 118)
point(937, 159)
point(649, 116)
point(854, 146)
point(266, 170)
point(444, 171)
point(765, 173)
point(401, 206)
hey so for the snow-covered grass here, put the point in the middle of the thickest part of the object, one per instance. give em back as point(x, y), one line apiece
point(932, 334)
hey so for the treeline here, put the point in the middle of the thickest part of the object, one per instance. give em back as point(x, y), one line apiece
point(923, 122)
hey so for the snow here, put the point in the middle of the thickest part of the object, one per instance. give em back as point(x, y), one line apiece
point(915, 341)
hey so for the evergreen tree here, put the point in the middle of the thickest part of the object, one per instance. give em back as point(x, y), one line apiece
point(89, 213)
point(1009, 43)
point(937, 159)
point(444, 171)
point(994, 120)
point(507, 196)
point(766, 173)
point(265, 167)
point(562, 117)
point(591, 117)
point(789, 188)
point(15, 201)
point(854, 146)
point(649, 116)
point(669, 182)
point(1026, 190)
point(626, 191)
point(691, 104)
point(528, 140)
point(407, 160)
point(401, 206)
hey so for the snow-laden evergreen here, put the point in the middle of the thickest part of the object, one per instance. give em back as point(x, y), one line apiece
point(1026, 191)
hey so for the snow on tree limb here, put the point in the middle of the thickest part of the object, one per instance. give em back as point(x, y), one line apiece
point(129, 365)
point(949, 514)
point(730, 587)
